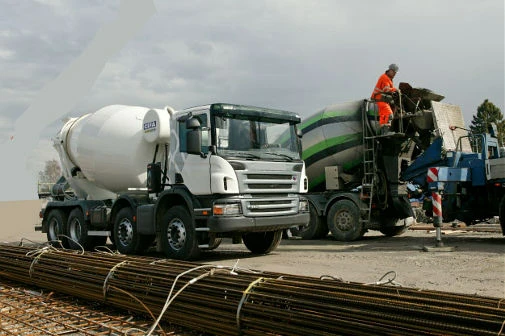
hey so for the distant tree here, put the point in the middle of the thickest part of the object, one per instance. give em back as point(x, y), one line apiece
point(51, 172)
point(488, 113)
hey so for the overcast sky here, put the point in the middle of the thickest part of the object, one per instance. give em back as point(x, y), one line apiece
point(293, 55)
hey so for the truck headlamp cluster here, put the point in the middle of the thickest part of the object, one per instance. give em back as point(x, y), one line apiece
point(303, 205)
point(227, 209)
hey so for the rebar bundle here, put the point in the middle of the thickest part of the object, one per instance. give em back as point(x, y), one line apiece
point(232, 301)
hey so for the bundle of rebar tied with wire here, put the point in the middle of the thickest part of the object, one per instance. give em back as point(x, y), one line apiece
point(229, 300)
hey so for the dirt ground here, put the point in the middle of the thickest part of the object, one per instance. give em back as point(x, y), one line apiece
point(476, 266)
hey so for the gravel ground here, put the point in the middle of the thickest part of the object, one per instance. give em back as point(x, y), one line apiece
point(475, 266)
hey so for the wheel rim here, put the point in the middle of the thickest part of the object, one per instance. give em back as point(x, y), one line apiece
point(125, 232)
point(53, 229)
point(343, 221)
point(176, 234)
point(75, 229)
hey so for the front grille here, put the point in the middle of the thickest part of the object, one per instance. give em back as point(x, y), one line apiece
point(268, 182)
point(269, 186)
point(268, 206)
point(269, 176)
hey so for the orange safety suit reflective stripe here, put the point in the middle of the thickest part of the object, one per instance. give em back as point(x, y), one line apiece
point(384, 84)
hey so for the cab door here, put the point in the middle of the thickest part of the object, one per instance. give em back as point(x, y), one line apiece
point(193, 170)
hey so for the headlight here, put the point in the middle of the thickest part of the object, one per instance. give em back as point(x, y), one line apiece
point(231, 209)
point(303, 205)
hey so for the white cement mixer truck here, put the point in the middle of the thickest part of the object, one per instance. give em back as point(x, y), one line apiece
point(183, 180)
point(354, 171)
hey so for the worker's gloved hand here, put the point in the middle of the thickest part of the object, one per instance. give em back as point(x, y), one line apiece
point(387, 97)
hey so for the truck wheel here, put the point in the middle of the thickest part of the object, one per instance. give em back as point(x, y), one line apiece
point(262, 242)
point(56, 221)
point(315, 228)
point(393, 231)
point(212, 241)
point(501, 213)
point(388, 228)
point(178, 236)
point(126, 237)
point(77, 230)
point(344, 221)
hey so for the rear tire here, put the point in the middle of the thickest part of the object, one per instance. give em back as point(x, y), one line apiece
point(77, 230)
point(344, 221)
point(501, 213)
point(126, 236)
point(394, 231)
point(315, 229)
point(388, 228)
point(212, 241)
point(262, 242)
point(178, 236)
point(56, 222)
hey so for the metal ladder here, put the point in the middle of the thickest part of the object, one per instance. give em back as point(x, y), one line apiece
point(369, 165)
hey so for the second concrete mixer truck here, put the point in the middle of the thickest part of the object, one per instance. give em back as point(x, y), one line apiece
point(354, 171)
point(183, 180)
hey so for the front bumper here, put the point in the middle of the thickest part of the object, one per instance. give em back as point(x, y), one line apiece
point(256, 224)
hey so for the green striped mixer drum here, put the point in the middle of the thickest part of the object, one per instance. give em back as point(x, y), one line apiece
point(334, 137)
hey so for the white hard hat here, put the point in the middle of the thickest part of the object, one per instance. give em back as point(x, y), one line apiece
point(393, 67)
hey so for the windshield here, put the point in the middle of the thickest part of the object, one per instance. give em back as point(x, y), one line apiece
point(256, 140)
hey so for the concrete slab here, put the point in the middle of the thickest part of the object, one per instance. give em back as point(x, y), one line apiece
point(438, 248)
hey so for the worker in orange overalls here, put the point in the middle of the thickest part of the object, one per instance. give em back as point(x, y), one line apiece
point(385, 85)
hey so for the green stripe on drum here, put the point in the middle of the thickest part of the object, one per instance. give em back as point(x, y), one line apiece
point(329, 117)
point(332, 146)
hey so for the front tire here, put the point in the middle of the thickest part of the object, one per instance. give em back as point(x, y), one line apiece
point(262, 242)
point(56, 222)
point(344, 221)
point(126, 236)
point(178, 237)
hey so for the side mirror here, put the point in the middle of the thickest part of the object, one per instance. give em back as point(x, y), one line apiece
point(193, 136)
point(154, 177)
point(192, 123)
point(194, 141)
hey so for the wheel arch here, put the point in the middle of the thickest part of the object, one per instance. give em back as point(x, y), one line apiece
point(171, 198)
point(120, 203)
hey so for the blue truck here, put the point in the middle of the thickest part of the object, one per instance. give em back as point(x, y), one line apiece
point(470, 178)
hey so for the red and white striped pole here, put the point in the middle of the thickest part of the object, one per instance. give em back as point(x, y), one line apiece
point(437, 216)
point(437, 208)
point(436, 200)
